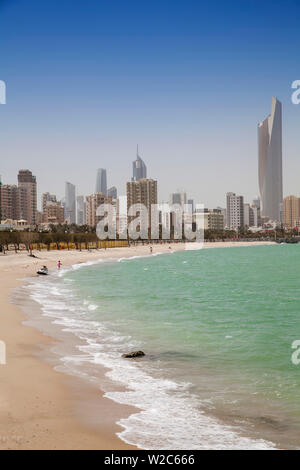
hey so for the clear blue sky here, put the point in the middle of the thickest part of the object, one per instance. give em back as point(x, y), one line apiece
point(187, 80)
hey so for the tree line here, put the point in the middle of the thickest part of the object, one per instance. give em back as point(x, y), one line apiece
point(21, 239)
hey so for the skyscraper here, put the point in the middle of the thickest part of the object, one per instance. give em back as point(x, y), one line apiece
point(92, 204)
point(9, 202)
point(139, 169)
point(291, 211)
point(53, 213)
point(80, 210)
point(101, 182)
point(178, 198)
point(28, 196)
point(142, 192)
point(47, 197)
point(113, 192)
point(270, 162)
point(234, 211)
point(70, 203)
point(191, 205)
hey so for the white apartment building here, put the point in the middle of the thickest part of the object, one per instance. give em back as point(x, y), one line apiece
point(234, 211)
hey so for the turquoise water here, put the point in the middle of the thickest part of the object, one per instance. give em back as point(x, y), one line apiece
point(217, 327)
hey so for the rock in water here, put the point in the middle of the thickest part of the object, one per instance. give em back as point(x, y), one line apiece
point(134, 354)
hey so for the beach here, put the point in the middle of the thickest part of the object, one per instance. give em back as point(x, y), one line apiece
point(41, 408)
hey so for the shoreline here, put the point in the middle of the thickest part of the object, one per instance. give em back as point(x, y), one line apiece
point(38, 416)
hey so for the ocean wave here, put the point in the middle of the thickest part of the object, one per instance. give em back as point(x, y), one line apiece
point(168, 415)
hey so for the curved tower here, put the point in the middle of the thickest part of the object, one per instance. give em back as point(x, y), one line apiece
point(270, 162)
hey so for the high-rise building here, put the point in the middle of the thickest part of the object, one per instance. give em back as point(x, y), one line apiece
point(101, 182)
point(139, 169)
point(222, 211)
point(256, 202)
point(70, 203)
point(291, 211)
point(178, 198)
point(113, 192)
point(80, 210)
point(191, 205)
point(47, 197)
point(144, 192)
point(28, 196)
point(234, 211)
point(53, 213)
point(249, 215)
point(92, 204)
point(213, 220)
point(10, 202)
point(270, 162)
point(255, 212)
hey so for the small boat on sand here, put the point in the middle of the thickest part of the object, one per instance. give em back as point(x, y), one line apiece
point(43, 271)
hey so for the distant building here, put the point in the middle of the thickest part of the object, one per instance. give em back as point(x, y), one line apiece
point(191, 205)
point(178, 198)
point(92, 204)
point(53, 213)
point(291, 211)
point(143, 191)
point(165, 216)
point(27, 196)
point(270, 162)
point(248, 215)
point(47, 197)
point(234, 211)
point(80, 219)
point(214, 220)
point(101, 182)
point(256, 202)
point(139, 169)
point(256, 217)
point(70, 203)
point(113, 192)
point(10, 202)
point(39, 217)
point(223, 211)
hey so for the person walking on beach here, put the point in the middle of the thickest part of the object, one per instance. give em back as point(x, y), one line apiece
point(151, 250)
point(59, 265)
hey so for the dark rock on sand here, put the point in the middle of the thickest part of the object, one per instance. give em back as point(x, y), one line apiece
point(134, 354)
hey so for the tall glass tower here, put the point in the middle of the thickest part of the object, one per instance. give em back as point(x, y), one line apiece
point(101, 182)
point(139, 169)
point(70, 203)
point(270, 162)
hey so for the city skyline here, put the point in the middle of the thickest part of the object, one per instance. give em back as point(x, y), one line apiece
point(101, 187)
point(157, 85)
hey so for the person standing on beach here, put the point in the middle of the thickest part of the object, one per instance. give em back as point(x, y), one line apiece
point(59, 265)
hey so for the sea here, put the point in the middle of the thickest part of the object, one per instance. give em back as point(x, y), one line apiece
point(217, 327)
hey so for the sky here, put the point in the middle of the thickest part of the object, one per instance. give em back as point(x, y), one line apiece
point(187, 80)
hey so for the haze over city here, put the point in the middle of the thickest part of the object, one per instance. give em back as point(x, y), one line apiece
point(85, 85)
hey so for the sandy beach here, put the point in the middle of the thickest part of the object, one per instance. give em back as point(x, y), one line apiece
point(41, 408)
